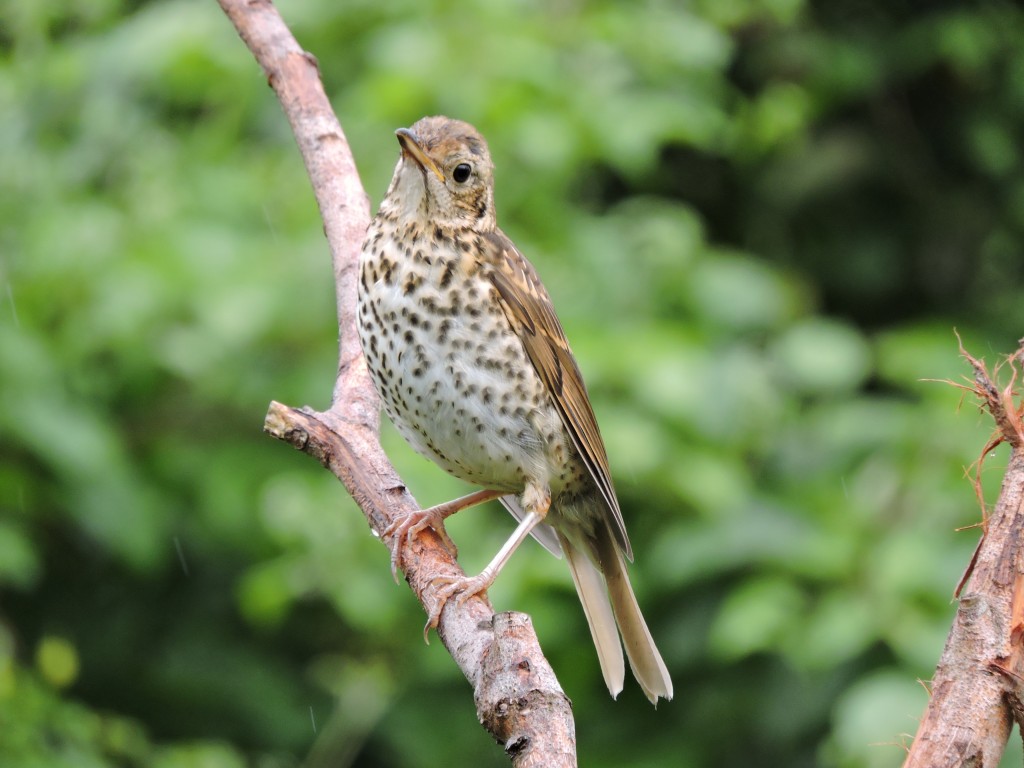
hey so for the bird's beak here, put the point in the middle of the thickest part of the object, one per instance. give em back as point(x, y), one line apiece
point(412, 148)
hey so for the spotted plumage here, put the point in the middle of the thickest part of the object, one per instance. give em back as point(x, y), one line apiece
point(474, 369)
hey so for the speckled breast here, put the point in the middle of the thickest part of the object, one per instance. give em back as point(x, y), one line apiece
point(453, 376)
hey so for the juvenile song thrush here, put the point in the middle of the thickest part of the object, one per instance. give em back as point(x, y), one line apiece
point(474, 369)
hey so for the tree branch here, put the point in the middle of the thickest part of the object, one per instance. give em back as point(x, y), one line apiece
point(517, 695)
point(978, 688)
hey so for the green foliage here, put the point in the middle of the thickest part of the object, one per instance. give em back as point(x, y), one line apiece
point(760, 223)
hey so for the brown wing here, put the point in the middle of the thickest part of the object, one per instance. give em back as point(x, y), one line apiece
point(532, 315)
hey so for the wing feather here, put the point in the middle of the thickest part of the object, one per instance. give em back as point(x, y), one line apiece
point(530, 311)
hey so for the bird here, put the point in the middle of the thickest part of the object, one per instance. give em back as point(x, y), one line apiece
point(473, 368)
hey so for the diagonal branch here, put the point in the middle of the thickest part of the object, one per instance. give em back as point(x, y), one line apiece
point(518, 698)
point(978, 688)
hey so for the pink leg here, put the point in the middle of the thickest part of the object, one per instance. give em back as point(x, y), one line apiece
point(404, 530)
point(464, 588)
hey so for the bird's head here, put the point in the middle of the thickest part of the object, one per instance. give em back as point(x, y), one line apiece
point(444, 176)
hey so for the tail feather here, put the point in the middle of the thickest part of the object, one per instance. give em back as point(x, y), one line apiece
point(647, 664)
point(592, 593)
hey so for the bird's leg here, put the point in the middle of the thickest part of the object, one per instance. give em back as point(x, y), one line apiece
point(408, 526)
point(537, 501)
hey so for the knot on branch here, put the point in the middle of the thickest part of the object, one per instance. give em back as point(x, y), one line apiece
point(518, 698)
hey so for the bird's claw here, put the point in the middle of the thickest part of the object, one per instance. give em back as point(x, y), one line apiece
point(405, 529)
point(460, 588)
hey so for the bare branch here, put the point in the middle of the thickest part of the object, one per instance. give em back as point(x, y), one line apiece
point(978, 688)
point(518, 697)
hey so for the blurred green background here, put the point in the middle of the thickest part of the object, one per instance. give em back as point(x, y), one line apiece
point(760, 222)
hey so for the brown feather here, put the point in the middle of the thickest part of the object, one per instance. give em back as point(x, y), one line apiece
point(648, 667)
point(532, 315)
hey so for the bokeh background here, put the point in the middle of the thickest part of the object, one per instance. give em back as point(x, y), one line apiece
point(760, 222)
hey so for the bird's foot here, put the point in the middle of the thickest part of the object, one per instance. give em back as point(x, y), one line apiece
point(459, 588)
point(405, 529)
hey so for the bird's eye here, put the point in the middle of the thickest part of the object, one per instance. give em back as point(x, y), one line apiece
point(461, 172)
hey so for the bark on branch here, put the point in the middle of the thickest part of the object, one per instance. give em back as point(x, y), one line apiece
point(517, 696)
point(978, 689)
